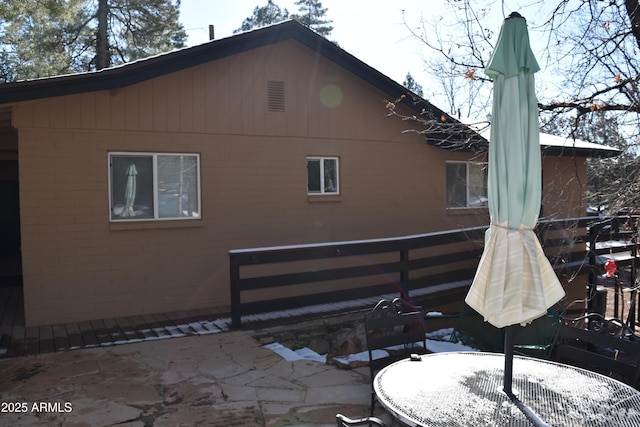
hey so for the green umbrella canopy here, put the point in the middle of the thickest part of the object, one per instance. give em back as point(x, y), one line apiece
point(515, 282)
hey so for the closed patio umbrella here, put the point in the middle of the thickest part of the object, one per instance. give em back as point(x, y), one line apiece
point(514, 282)
point(130, 191)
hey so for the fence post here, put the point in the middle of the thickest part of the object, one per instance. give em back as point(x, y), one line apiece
point(591, 285)
point(634, 271)
point(404, 273)
point(234, 273)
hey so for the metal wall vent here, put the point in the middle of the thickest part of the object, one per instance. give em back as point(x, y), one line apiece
point(275, 96)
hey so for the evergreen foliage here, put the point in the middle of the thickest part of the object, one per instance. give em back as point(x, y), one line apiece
point(40, 38)
point(311, 14)
point(411, 84)
point(263, 16)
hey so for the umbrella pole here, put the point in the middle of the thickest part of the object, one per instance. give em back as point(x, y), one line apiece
point(508, 380)
point(508, 361)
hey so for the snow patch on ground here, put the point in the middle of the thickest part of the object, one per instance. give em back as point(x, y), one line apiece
point(437, 342)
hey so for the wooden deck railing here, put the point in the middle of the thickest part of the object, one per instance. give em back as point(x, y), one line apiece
point(615, 238)
point(286, 277)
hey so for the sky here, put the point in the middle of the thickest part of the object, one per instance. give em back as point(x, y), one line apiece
point(371, 30)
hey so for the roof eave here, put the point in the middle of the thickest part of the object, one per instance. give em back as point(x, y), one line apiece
point(579, 152)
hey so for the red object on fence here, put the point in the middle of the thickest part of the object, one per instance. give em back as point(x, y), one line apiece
point(610, 267)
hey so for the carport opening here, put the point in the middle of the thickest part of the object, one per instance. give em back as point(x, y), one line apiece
point(10, 244)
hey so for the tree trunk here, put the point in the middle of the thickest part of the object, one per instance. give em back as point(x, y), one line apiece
point(102, 57)
point(634, 16)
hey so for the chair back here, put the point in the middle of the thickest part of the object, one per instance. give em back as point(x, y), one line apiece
point(395, 332)
point(606, 347)
point(473, 331)
point(538, 338)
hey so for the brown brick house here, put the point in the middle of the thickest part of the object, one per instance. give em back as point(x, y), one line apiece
point(135, 181)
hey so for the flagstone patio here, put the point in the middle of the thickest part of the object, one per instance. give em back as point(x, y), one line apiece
point(225, 379)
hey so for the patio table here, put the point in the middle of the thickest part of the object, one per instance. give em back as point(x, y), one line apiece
point(465, 389)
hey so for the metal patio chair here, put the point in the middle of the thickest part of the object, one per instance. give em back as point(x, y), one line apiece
point(394, 330)
point(606, 346)
point(472, 331)
point(342, 421)
point(537, 339)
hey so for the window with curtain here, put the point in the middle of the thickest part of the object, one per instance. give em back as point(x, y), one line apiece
point(466, 185)
point(154, 186)
point(322, 175)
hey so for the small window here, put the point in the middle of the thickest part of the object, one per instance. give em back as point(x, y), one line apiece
point(466, 185)
point(147, 186)
point(322, 175)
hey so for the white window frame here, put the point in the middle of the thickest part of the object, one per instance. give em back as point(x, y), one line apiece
point(197, 214)
point(467, 184)
point(323, 190)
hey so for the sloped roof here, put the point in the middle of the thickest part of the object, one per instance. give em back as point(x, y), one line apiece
point(155, 66)
point(147, 68)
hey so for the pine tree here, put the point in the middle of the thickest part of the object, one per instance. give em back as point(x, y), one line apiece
point(263, 16)
point(140, 28)
point(312, 15)
point(41, 38)
point(412, 85)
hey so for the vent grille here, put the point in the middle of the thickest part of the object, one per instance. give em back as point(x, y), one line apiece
point(275, 96)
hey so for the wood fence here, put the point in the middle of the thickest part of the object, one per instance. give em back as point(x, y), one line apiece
point(286, 277)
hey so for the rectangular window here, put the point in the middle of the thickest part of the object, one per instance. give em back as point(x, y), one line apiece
point(149, 186)
point(466, 185)
point(322, 175)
